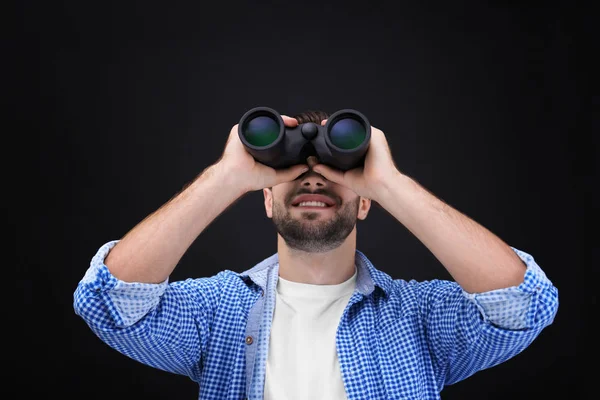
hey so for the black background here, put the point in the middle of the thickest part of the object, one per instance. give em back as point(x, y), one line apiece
point(114, 106)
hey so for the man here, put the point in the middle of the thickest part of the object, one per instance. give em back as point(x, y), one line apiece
point(316, 320)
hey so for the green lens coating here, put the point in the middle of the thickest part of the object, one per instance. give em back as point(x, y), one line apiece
point(347, 133)
point(261, 131)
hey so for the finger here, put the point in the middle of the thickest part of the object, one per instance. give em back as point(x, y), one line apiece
point(330, 174)
point(233, 135)
point(323, 122)
point(233, 131)
point(290, 173)
point(289, 121)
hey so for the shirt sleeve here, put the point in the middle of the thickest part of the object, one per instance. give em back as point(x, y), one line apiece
point(164, 325)
point(471, 332)
point(512, 308)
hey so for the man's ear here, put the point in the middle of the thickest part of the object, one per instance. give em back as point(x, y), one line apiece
point(268, 193)
point(364, 206)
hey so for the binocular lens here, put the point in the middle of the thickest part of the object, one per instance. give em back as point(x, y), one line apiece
point(261, 131)
point(347, 133)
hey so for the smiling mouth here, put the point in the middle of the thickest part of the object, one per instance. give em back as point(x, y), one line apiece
point(312, 206)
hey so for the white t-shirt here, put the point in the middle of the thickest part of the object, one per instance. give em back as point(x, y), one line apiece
point(303, 363)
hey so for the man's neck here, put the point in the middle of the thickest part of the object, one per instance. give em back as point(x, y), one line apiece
point(329, 268)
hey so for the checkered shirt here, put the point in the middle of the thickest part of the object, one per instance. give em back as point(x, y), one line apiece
point(396, 339)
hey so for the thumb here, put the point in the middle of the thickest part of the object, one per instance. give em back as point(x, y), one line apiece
point(290, 173)
point(329, 173)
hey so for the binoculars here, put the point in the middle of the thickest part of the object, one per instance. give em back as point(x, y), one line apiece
point(342, 143)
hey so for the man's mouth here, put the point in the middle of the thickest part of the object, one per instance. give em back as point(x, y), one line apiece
point(313, 201)
point(312, 204)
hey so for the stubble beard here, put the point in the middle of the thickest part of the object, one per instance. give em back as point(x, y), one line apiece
point(307, 234)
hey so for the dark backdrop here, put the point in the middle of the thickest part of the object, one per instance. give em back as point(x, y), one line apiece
point(118, 105)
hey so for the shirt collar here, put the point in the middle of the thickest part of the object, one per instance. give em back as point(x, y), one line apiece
point(368, 277)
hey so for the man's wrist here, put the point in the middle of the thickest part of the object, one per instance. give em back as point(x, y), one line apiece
point(387, 188)
point(226, 179)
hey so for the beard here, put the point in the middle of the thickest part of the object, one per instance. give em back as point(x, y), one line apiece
point(309, 234)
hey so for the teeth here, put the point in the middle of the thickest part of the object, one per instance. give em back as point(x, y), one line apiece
point(312, 204)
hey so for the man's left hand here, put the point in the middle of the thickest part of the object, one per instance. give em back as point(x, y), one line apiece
point(370, 179)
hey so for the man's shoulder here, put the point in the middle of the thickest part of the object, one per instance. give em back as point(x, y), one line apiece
point(393, 284)
point(231, 277)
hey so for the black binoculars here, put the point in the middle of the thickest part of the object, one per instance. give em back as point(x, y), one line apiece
point(342, 143)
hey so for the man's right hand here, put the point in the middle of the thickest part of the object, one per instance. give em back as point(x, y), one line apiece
point(243, 170)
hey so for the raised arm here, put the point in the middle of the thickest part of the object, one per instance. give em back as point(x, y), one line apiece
point(500, 300)
point(151, 250)
point(476, 258)
point(125, 296)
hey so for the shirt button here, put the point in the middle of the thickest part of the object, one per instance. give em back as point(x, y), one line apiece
point(249, 340)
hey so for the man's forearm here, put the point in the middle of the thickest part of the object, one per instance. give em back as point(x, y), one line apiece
point(477, 259)
point(151, 250)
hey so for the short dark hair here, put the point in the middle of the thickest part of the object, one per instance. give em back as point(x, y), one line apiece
point(315, 116)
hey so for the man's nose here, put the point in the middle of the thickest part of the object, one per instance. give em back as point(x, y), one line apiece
point(311, 178)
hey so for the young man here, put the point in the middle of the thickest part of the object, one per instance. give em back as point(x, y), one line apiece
point(316, 320)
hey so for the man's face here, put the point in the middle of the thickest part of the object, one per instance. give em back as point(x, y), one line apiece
point(313, 214)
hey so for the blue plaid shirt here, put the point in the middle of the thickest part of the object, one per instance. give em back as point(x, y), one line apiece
point(396, 339)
